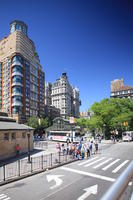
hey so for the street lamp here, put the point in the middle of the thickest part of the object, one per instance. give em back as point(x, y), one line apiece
point(28, 135)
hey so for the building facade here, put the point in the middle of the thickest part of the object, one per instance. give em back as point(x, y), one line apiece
point(13, 134)
point(86, 114)
point(48, 91)
point(119, 90)
point(22, 80)
point(65, 97)
point(50, 110)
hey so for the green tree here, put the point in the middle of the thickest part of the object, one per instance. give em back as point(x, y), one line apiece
point(33, 122)
point(110, 115)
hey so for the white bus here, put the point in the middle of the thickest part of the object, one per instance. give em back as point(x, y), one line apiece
point(64, 136)
point(127, 136)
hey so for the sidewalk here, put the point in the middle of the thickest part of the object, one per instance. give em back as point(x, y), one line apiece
point(22, 168)
point(106, 142)
point(35, 153)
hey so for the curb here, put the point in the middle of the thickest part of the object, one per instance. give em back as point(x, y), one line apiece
point(35, 173)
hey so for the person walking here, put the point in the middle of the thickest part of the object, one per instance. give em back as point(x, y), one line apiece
point(90, 147)
point(82, 152)
point(17, 150)
point(96, 146)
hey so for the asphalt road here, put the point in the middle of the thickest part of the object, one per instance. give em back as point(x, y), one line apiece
point(69, 182)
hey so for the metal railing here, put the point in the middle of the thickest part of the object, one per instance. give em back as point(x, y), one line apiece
point(119, 190)
point(22, 167)
point(41, 145)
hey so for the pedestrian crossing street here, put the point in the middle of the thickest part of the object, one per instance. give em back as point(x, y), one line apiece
point(105, 163)
point(4, 197)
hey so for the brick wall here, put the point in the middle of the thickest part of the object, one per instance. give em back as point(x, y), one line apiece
point(8, 147)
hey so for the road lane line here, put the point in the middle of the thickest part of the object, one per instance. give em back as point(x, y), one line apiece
point(87, 161)
point(108, 166)
point(120, 166)
point(4, 196)
point(89, 174)
point(94, 162)
point(99, 165)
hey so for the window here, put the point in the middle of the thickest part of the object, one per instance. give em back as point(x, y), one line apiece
point(6, 136)
point(12, 28)
point(23, 135)
point(18, 27)
point(13, 137)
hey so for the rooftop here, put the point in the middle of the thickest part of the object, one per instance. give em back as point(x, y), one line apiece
point(8, 123)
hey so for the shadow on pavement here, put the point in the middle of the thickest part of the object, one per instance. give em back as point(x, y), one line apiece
point(21, 156)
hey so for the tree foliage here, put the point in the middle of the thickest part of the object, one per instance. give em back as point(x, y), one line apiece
point(39, 124)
point(110, 115)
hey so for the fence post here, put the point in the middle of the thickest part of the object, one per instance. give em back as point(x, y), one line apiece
point(18, 167)
point(59, 157)
point(51, 159)
point(31, 164)
point(42, 160)
point(4, 172)
point(66, 156)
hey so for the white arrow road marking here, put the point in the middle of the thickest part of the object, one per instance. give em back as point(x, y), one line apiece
point(89, 191)
point(56, 178)
point(89, 174)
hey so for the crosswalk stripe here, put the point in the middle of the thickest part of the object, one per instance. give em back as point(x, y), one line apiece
point(94, 162)
point(102, 163)
point(1, 195)
point(7, 198)
point(82, 163)
point(108, 166)
point(120, 166)
point(4, 196)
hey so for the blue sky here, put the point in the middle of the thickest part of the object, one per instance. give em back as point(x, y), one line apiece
point(91, 40)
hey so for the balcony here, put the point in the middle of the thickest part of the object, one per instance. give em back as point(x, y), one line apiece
point(17, 103)
point(17, 84)
point(17, 63)
point(17, 94)
point(17, 73)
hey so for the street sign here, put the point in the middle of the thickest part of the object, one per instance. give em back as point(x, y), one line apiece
point(71, 120)
point(57, 180)
point(88, 192)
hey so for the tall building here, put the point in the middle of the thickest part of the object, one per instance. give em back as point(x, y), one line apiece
point(65, 97)
point(48, 91)
point(50, 110)
point(22, 75)
point(119, 90)
point(76, 102)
